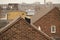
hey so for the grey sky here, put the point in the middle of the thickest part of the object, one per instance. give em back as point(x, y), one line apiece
point(54, 1)
point(27, 1)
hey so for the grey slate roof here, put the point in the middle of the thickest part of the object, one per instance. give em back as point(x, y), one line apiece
point(3, 23)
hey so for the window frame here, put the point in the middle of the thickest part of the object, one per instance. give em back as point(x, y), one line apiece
point(53, 29)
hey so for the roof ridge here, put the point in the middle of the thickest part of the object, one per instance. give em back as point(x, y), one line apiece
point(41, 14)
point(42, 32)
point(32, 25)
point(47, 13)
point(17, 19)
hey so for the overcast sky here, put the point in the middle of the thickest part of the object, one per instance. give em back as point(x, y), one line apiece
point(27, 1)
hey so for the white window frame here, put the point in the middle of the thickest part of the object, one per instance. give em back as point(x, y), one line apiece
point(4, 18)
point(53, 27)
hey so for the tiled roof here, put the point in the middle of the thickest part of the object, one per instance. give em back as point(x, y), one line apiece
point(44, 9)
point(19, 29)
point(55, 10)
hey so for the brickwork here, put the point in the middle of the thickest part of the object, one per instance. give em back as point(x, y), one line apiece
point(21, 30)
point(51, 18)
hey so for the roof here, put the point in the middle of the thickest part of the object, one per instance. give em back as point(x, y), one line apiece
point(44, 9)
point(55, 10)
point(20, 29)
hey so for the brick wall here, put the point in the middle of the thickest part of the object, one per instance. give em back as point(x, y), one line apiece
point(51, 18)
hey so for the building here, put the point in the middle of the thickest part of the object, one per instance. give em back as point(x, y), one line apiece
point(50, 23)
point(12, 6)
point(19, 29)
point(44, 17)
point(39, 9)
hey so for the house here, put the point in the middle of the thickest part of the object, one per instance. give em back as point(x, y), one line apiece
point(19, 29)
point(12, 6)
point(50, 23)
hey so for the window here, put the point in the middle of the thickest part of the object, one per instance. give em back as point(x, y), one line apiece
point(4, 17)
point(53, 29)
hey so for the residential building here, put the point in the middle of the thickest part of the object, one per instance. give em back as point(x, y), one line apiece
point(50, 23)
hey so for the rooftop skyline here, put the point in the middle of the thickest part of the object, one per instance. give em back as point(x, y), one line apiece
point(28, 1)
